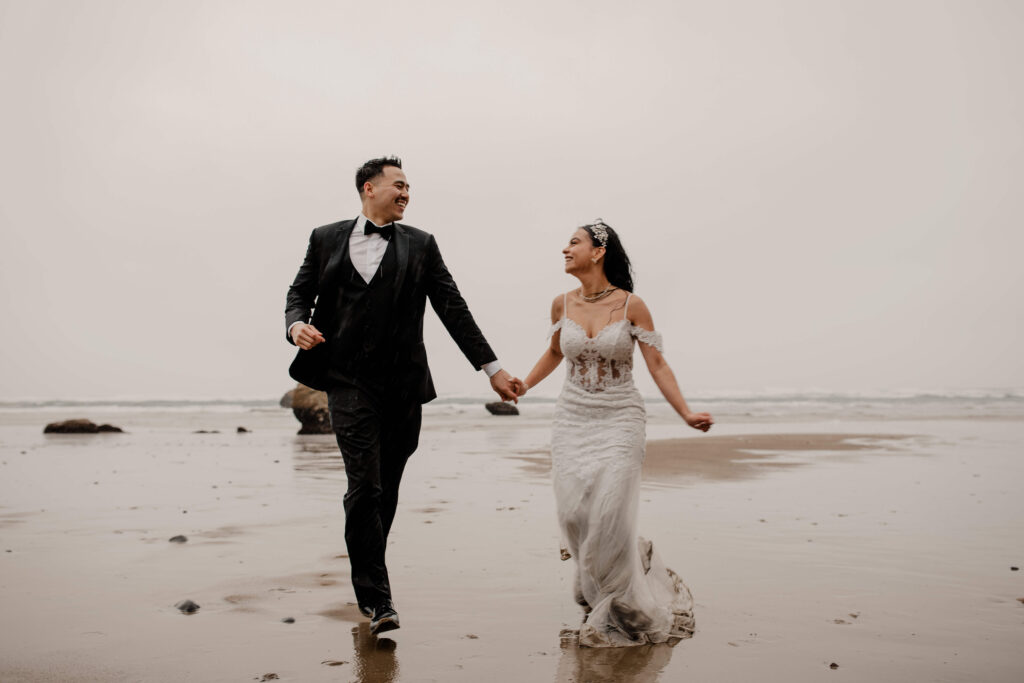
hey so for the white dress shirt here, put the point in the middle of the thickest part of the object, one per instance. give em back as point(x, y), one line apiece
point(366, 252)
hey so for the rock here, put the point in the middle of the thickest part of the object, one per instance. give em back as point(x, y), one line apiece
point(204, 431)
point(288, 620)
point(270, 677)
point(501, 408)
point(833, 665)
point(1014, 569)
point(310, 408)
point(187, 607)
point(243, 430)
point(286, 400)
point(178, 539)
point(79, 426)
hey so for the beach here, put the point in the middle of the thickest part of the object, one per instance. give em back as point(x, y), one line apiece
point(843, 545)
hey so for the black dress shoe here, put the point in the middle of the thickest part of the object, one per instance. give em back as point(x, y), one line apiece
point(384, 618)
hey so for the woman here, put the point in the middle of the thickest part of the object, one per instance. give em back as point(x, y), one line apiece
point(628, 596)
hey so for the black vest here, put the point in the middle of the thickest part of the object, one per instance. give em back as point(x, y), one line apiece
point(365, 355)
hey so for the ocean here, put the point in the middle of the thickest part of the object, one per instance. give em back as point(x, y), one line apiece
point(727, 407)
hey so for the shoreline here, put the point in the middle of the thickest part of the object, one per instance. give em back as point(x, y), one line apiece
point(781, 535)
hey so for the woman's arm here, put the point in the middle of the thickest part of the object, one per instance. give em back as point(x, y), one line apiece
point(552, 355)
point(640, 316)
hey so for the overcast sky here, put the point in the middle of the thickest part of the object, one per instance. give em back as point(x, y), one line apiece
point(816, 195)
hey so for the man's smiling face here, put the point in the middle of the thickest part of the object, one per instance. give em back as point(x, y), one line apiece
point(387, 195)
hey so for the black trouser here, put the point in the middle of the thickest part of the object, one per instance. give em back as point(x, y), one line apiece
point(376, 437)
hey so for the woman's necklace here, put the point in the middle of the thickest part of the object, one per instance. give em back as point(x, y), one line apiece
point(590, 298)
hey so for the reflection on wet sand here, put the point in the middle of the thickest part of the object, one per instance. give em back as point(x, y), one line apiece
point(375, 660)
point(641, 664)
point(316, 458)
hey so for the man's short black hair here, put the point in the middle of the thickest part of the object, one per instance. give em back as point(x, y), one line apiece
point(373, 168)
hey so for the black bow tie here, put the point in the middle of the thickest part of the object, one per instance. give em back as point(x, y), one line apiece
point(385, 231)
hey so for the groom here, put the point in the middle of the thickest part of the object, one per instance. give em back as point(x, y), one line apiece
point(366, 282)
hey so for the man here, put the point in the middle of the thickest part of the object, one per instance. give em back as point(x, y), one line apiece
point(369, 280)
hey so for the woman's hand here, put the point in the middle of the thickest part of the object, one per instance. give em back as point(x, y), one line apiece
point(701, 421)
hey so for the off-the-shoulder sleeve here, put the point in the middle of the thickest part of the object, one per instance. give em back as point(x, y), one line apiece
point(649, 337)
point(555, 328)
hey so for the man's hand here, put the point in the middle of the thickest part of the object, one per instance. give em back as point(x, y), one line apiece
point(504, 384)
point(306, 336)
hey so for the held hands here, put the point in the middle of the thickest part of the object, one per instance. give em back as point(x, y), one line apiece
point(306, 336)
point(520, 387)
point(509, 388)
point(701, 421)
point(504, 384)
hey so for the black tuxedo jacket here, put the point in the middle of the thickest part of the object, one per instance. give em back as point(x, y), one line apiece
point(421, 275)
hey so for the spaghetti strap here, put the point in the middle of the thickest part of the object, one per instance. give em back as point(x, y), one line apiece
point(561, 321)
point(625, 313)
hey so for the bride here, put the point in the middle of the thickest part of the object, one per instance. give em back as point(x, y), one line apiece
point(628, 596)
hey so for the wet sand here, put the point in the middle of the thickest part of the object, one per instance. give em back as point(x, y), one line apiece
point(886, 553)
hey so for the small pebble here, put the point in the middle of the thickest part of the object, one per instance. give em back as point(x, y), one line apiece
point(269, 677)
point(187, 607)
point(178, 539)
point(288, 620)
point(1014, 569)
point(833, 665)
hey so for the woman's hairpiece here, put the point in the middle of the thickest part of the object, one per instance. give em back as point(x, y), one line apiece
point(600, 230)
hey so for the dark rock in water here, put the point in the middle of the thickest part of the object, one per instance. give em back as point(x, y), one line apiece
point(79, 426)
point(243, 430)
point(204, 431)
point(501, 408)
point(187, 607)
point(288, 620)
point(833, 666)
point(1014, 569)
point(270, 677)
point(178, 539)
point(310, 408)
point(286, 400)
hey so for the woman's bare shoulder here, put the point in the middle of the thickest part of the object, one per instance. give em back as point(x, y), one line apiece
point(558, 306)
point(639, 313)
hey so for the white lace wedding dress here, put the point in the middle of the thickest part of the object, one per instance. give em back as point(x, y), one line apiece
point(597, 448)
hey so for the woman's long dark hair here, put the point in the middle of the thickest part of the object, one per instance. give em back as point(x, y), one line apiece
point(617, 267)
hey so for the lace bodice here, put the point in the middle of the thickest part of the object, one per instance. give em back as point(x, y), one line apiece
point(604, 360)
